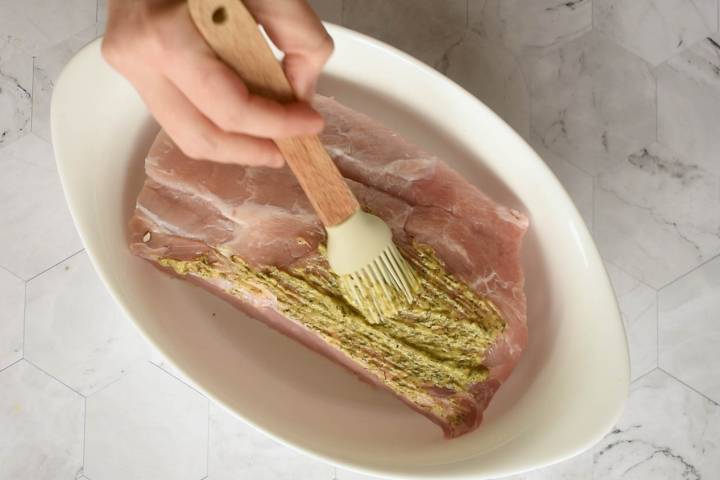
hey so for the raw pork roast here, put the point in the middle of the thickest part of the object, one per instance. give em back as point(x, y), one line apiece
point(250, 236)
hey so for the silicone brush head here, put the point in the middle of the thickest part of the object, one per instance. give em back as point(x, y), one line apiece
point(374, 276)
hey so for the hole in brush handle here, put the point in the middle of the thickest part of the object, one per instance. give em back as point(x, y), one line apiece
point(219, 16)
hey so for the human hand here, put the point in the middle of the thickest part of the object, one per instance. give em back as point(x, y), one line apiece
point(201, 102)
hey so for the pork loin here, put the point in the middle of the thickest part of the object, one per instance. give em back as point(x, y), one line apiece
point(250, 235)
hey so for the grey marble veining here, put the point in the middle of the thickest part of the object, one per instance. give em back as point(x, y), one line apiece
point(424, 28)
point(492, 74)
point(667, 432)
point(578, 183)
point(15, 90)
point(529, 27)
point(655, 29)
point(621, 98)
point(690, 329)
point(689, 103)
point(592, 102)
point(647, 215)
point(48, 66)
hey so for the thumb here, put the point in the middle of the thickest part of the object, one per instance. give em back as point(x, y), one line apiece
point(296, 30)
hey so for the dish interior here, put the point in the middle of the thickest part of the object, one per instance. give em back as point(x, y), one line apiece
point(565, 393)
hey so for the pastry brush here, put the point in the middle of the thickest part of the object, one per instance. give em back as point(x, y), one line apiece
point(372, 273)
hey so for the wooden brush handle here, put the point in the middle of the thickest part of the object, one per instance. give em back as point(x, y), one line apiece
point(234, 35)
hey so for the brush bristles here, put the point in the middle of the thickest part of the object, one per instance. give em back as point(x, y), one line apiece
point(383, 287)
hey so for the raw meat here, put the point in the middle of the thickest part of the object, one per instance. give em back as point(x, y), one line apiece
point(250, 235)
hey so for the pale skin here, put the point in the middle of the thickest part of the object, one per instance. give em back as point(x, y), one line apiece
point(200, 102)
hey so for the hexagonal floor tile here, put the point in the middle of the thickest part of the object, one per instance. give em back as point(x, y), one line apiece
point(101, 10)
point(529, 27)
point(592, 102)
point(667, 432)
point(75, 331)
point(101, 16)
point(37, 24)
point(328, 10)
point(638, 306)
point(15, 90)
point(690, 330)
point(688, 89)
point(48, 65)
point(12, 299)
point(649, 215)
point(146, 425)
point(158, 359)
point(42, 426)
point(33, 150)
point(577, 183)
point(425, 29)
point(655, 29)
point(490, 72)
point(239, 451)
point(33, 211)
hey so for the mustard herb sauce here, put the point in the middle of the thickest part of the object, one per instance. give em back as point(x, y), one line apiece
point(438, 342)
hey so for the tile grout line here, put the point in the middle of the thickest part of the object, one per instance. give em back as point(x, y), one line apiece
point(697, 267)
point(690, 387)
point(194, 389)
point(625, 49)
point(12, 273)
point(32, 93)
point(100, 389)
point(630, 274)
point(55, 265)
point(53, 376)
point(12, 364)
point(24, 324)
point(644, 375)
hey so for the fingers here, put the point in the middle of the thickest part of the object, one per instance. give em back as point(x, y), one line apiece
point(198, 137)
point(217, 91)
point(201, 103)
point(296, 30)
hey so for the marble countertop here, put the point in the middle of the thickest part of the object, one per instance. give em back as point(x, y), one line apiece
point(620, 97)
